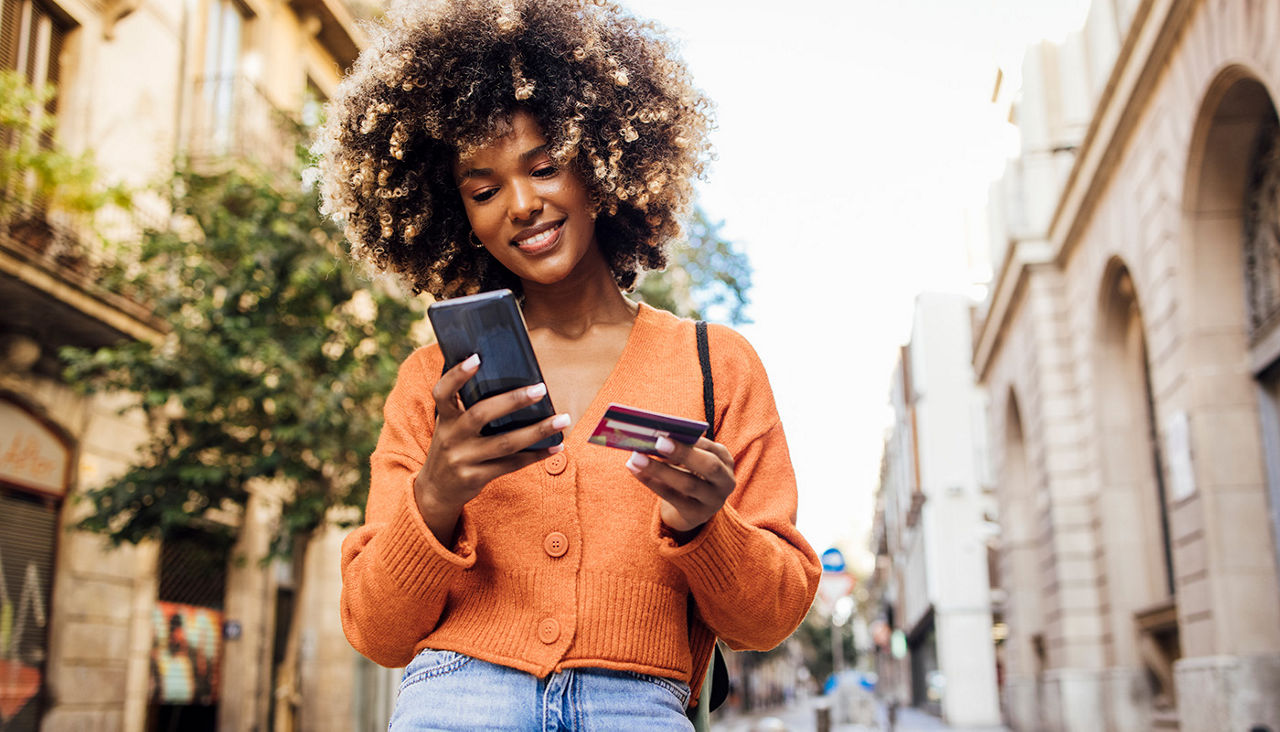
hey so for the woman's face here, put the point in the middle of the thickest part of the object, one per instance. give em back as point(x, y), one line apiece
point(531, 214)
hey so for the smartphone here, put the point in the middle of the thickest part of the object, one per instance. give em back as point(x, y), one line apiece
point(632, 428)
point(491, 324)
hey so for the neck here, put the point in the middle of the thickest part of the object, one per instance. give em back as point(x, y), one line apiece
point(587, 297)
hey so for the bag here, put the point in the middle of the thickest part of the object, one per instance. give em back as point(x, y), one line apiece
point(715, 682)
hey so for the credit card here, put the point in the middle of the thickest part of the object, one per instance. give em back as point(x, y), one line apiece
point(630, 428)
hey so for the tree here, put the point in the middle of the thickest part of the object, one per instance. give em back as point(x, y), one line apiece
point(707, 276)
point(276, 364)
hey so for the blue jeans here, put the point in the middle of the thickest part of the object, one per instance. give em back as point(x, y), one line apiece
point(444, 690)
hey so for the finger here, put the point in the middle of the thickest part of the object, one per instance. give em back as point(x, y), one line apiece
point(445, 392)
point(658, 475)
point(506, 443)
point(500, 405)
point(511, 463)
point(684, 505)
point(715, 448)
point(708, 460)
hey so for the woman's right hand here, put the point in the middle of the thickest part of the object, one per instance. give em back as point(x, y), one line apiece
point(461, 462)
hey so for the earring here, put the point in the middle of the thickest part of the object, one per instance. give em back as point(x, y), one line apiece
point(475, 242)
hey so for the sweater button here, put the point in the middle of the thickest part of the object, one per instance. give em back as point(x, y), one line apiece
point(556, 464)
point(556, 544)
point(548, 631)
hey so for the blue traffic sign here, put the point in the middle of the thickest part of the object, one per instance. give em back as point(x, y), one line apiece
point(832, 560)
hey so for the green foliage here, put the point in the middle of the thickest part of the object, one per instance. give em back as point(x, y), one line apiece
point(32, 169)
point(707, 277)
point(276, 366)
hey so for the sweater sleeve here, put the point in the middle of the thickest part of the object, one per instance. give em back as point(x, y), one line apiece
point(752, 575)
point(395, 573)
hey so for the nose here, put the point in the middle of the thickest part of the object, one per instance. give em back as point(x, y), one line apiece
point(525, 201)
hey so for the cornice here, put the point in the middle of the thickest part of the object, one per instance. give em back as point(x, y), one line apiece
point(1150, 40)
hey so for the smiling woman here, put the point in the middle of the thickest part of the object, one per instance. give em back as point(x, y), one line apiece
point(549, 146)
point(444, 79)
point(533, 216)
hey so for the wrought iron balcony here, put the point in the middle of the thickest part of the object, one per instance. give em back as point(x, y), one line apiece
point(51, 277)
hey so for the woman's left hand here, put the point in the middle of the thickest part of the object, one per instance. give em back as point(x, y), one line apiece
point(693, 482)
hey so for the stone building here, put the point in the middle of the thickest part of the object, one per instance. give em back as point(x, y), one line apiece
point(94, 638)
point(932, 524)
point(1128, 347)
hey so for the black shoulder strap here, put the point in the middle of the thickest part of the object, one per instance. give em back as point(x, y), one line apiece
point(717, 669)
point(708, 388)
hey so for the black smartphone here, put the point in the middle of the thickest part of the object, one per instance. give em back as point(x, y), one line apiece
point(491, 324)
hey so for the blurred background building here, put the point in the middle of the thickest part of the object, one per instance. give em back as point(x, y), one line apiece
point(189, 634)
point(1128, 347)
point(932, 526)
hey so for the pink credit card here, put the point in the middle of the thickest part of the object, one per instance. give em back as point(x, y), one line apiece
point(629, 428)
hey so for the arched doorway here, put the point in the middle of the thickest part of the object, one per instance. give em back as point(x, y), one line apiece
point(1021, 562)
point(1231, 221)
point(1262, 289)
point(35, 473)
point(1132, 504)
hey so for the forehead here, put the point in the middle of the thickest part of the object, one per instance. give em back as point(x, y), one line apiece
point(522, 134)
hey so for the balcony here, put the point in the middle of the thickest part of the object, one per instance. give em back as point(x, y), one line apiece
point(51, 288)
point(232, 120)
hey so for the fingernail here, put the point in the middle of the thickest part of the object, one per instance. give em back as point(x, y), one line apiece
point(560, 422)
point(537, 391)
point(472, 363)
point(556, 448)
point(664, 446)
point(637, 462)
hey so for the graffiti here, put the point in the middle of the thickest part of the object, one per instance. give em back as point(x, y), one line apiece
point(20, 676)
point(185, 654)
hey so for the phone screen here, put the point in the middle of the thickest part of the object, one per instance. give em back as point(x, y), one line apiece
point(490, 324)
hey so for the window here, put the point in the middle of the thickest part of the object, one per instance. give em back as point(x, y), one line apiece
point(224, 32)
point(31, 39)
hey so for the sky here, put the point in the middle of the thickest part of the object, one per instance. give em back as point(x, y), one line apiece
point(856, 144)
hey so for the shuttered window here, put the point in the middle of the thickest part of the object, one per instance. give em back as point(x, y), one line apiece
point(28, 530)
point(31, 41)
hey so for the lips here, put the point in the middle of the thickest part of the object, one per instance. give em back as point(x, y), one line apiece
point(538, 239)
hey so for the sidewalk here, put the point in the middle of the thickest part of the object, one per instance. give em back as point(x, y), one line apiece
point(802, 717)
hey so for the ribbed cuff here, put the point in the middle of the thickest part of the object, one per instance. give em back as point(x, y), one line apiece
point(415, 560)
point(711, 560)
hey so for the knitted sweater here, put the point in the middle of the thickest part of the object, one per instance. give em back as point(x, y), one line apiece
point(565, 562)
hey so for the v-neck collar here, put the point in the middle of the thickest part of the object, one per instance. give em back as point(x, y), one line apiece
point(613, 384)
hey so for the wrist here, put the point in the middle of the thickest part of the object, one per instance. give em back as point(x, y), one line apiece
point(440, 516)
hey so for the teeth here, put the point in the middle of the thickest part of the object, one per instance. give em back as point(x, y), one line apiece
point(534, 241)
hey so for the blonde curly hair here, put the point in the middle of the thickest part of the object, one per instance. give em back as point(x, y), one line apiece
point(442, 78)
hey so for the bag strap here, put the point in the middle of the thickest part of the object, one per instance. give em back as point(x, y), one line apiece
point(715, 683)
point(708, 386)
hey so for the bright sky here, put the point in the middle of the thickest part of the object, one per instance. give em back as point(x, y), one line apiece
point(856, 144)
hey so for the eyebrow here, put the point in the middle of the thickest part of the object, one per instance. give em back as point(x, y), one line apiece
point(525, 157)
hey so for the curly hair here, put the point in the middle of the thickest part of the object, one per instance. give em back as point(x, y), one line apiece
point(442, 78)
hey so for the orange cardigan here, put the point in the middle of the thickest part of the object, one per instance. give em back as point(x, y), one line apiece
point(564, 563)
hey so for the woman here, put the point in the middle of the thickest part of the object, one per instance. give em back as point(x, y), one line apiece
point(549, 146)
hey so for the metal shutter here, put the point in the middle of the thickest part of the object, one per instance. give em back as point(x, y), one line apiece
point(28, 530)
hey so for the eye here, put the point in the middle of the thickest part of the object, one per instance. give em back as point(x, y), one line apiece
point(545, 171)
point(484, 195)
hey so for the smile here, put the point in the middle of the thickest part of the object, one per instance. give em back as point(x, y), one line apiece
point(542, 240)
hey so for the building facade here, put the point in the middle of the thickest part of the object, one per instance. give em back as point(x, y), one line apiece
point(189, 634)
point(932, 525)
point(1129, 349)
